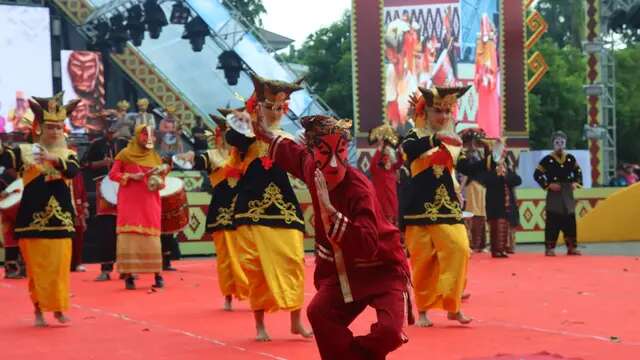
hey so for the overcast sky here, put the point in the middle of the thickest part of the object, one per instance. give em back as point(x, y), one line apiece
point(297, 19)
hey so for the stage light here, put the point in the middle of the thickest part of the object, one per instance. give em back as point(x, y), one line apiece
point(179, 14)
point(154, 18)
point(633, 17)
point(231, 64)
point(196, 30)
point(118, 36)
point(135, 25)
point(101, 41)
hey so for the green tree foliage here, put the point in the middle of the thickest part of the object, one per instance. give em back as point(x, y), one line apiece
point(251, 10)
point(627, 110)
point(327, 53)
point(558, 101)
point(566, 19)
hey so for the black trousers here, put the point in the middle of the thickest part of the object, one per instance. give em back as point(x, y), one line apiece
point(170, 247)
point(560, 222)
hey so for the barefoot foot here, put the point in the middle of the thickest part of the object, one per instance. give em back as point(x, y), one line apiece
point(39, 320)
point(227, 303)
point(459, 317)
point(62, 318)
point(298, 329)
point(262, 335)
point(423, 321)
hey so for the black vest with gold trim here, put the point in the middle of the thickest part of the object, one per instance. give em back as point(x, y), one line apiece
point(265, 195)
point(225, 190)
point(46, 209)
point(431, 195)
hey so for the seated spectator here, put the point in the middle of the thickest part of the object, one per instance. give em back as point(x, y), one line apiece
point(630, 175)
point(620, 180)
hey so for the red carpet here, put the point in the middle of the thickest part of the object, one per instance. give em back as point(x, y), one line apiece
point(525, 307)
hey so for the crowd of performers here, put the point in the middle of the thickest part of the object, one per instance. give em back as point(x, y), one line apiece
point(363, 233)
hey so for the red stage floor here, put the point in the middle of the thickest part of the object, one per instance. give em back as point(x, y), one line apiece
point(573, 308)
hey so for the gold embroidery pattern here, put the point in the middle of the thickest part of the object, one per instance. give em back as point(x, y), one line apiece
point(438, 171)
point(137, 229)
point(225, 215)
point(272, 196)
point(51, 174)
point(442, 200)
point(53, 210)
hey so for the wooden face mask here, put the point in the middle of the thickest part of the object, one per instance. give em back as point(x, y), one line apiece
point(331, 157)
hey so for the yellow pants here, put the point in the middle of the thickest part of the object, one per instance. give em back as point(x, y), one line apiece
point(231, 278)
point(273, 260)
point(439, 261)
point(48, 262)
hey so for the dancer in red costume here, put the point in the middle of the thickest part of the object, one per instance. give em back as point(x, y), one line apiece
point(360, 261)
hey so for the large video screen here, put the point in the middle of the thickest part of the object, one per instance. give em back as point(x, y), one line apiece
point(25, 63)
point(83, 78)
point(443, 43)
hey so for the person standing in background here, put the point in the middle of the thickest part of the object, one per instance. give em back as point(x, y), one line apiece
point(560, 175)
point(385, 164)
point(98, 160)
point(200, 143)
point(500, 182)
point(143, 117)
point(474, 164)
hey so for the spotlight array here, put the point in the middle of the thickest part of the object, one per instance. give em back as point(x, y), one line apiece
point(112, 31)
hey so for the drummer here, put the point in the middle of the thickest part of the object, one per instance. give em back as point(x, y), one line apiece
point(98, 160)
point(13, 264)
point(435, 233)
point(45, 220)
point(140, 172)
point(223, 165)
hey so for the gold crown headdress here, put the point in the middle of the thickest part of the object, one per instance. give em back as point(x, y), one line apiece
point(123, 105)
point(51, 109)
point(384, 132)
point(317, 126)
point(442, 98)
point(273, 92)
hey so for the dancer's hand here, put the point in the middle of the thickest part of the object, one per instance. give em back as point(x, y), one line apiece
point(326, 208)
point(449, 139)
point(45, 156)
point(555, 187)
point(137, 176)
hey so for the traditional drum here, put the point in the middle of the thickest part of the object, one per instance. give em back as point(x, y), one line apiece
point(181, 164)
point(175, 213)
point(104, 207)
point(109, 190)
point(9, 205)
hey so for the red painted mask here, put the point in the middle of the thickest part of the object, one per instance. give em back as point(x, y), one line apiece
point(331, 158)
point(84, 67)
